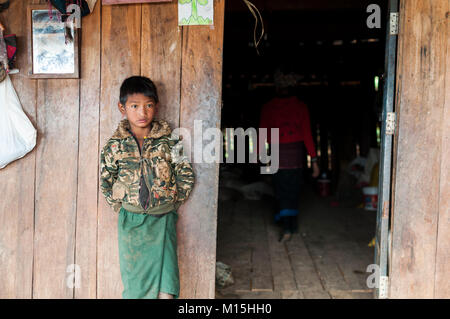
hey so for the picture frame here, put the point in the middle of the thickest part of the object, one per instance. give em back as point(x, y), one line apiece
point(48, 54)
point(110, 2)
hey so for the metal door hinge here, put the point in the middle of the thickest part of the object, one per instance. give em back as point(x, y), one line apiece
point(384, 285)
point(393, 30)
point(390, 123)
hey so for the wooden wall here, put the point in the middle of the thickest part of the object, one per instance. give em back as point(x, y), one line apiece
point(51, 212)
point(421, 219)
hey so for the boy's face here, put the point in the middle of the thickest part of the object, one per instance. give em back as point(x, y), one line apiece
point(139, 109)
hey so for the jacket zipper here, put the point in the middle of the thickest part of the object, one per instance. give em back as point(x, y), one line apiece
point(150, 173)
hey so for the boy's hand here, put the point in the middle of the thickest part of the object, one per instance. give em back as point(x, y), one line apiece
point(316, 170)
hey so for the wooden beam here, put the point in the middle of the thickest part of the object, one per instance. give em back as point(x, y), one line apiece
point(88, 155)
point(201, 83)
point(161, 57)
point(420, 105)
point(56, 185)
point(17, 180)
point(442, 286)
point(120, 58)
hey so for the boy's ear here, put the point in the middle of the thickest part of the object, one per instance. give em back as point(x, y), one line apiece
point(121, 108)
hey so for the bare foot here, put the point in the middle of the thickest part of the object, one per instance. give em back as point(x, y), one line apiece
point(285, 237)
point(163, 295)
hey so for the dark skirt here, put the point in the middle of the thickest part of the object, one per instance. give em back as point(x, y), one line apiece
point(287, 184)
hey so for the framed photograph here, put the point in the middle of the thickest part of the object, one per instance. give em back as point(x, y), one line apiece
point(106, 2)
point(53, 49)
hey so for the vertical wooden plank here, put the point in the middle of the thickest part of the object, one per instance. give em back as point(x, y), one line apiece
point(442, 286)
point(120, 58)
point(161, 56)
point(201, 86)
point(87, 200)
point(56, 186)
point(421, 70)
point(17, 180)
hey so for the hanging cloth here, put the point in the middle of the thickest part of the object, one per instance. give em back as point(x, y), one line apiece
point(3, 57)
point(11, 49)
point(4, 5)
point(86, 6)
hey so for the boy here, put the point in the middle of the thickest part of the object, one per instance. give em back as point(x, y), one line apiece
point(145, 180)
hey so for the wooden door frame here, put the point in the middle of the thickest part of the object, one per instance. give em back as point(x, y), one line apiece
point(418, 249)
point(386, 150)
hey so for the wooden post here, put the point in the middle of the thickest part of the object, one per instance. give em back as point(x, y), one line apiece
point(120, 58)
point(17, 182)
point(88, 155)
point(420, 256)
point(201, 83)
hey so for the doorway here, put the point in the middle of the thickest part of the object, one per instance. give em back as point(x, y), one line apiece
point(338, 64)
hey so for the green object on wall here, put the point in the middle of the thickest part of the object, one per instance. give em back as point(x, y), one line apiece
point(195, 18)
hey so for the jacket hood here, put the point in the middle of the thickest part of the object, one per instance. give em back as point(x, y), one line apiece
point(159, 128)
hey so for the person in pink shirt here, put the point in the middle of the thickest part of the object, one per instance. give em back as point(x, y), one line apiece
point(291, 116)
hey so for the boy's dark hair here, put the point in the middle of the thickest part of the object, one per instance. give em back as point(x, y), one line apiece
point(137, 84)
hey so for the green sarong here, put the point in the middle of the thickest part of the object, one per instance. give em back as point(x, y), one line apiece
point(148, 254)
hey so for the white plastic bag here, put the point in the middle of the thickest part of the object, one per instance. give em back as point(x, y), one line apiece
point(17, 134)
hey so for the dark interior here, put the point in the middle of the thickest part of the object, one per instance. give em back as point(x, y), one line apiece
point(337, 60)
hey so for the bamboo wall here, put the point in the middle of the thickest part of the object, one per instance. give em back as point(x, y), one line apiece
point(51, 212)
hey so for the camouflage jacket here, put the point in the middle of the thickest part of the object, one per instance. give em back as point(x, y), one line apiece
point(124, 169)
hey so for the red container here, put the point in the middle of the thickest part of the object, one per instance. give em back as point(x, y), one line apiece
point(370, 198)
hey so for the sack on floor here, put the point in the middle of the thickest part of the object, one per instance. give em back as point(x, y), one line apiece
point(17, 134)
point(223, 275)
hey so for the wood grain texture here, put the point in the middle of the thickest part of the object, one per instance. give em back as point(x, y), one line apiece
point(442, 286)
point(121, 31)
point(421, 70)
point(56, 185)
point(161, 57)
point(88, 156)
point(17, 181)
point(201, 83)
